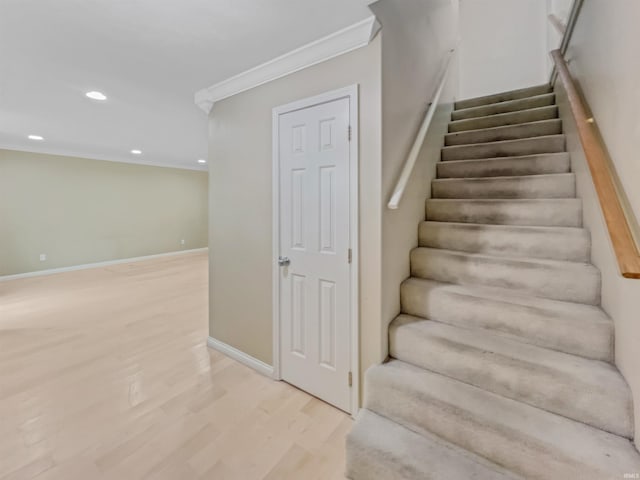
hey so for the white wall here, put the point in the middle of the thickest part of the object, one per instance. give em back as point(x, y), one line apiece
point(416, 38)
point(607, 68)
point(502, 45)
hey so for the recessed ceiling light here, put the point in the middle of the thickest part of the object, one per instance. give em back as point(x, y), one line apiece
point(35, 137)
point(202, 161)
point(136, 152)
point(96, 95)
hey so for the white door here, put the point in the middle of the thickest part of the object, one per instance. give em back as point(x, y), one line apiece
point(315, 250)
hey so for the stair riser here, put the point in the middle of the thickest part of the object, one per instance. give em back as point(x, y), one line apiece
point(513, 132)
point(423, 409)
point(546, 186)
point(528, 146)
point(581, 285)
point(553, 390)
point(512, 118)
point(506, 107)
point(571, 245)
point(502, 167)
point(536, 326)
point(503, 97)
point(567, 213)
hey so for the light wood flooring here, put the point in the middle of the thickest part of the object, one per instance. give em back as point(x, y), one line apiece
point(105, 374)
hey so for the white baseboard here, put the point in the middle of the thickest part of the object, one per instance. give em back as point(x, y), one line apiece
point(251, 362)
point(85, 266)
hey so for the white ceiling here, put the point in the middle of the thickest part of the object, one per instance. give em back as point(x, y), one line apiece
point(149, 57)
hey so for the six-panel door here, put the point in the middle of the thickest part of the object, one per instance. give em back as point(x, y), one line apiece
point(314, 235)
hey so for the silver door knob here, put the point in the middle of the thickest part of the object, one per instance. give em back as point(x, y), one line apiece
point(284, 261)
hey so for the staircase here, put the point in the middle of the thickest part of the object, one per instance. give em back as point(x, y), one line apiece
point(501, 361)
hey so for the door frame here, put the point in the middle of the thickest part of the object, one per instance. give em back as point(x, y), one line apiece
point(350, 92)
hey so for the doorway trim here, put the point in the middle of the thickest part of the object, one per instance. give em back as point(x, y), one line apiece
point(350, 92)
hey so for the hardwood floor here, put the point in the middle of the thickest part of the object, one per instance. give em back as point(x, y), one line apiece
point(105, 374)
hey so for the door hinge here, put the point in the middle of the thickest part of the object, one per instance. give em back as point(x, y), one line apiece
point(349, 132)
point(350, 379)
point(349, 255)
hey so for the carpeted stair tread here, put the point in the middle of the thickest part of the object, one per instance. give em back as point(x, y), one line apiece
point(524, 439)
point(586, 390)
point(506, 132)
point(554, 279)
point(505, 148)
point(506, 166)
point(381, 449)
point(504, 96)
point(509, 118)
point(557, 212)
point(543, 100)
point(568, 327)
point(553, 243)
point(554, 185)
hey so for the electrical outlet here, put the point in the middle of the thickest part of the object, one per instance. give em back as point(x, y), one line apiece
point(182, 242)
point(43, 257)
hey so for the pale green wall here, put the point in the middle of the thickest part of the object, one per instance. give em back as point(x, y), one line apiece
point(80, 211)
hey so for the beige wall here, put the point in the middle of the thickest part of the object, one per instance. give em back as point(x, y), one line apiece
point(416, 38)
point(605, 63)
point(240, 211)
point(502, 45)
point(79, 211)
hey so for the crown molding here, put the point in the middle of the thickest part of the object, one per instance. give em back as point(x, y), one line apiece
point(102, 158)
point(350, 38)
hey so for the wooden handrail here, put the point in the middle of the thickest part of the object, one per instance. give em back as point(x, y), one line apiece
point(410, 162)
point(622, 239)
